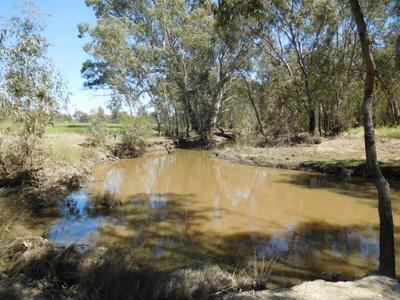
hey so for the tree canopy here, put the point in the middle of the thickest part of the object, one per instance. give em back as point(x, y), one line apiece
point(300, 60)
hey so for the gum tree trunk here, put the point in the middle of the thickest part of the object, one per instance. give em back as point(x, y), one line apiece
point(254, 106)
point(386, 239)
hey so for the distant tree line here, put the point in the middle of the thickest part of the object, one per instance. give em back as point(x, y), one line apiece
point(100, 115)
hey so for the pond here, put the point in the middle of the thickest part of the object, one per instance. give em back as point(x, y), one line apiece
point(188, 208)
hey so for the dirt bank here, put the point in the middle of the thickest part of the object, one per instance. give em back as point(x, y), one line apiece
point(341, 156)
point(64, 164)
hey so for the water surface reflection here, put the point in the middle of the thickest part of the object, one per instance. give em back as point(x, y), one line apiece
point(187, 208)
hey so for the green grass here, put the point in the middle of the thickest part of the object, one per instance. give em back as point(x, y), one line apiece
point(80, 128)
point(383, 131)
point(67, 127)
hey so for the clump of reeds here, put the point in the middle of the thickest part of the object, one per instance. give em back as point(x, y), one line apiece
point(107, 200)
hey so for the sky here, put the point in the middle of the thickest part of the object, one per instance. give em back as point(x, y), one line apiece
point(66, 50)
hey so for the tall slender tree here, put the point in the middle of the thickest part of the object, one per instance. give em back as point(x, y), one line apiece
point(386, 242)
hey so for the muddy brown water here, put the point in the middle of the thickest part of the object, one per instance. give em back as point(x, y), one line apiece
point(188, 207)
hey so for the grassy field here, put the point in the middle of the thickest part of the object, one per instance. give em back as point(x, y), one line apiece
point(384, 131)
point(77, 128)
point(66, 127)
point(83, 128)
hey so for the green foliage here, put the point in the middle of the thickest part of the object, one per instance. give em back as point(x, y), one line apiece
point(97, 134)
point(32, 90)
point(100, 115)
point(115, 106)
point(172, 51)
point(301, 60)
point(81, 116)
point(135, 132)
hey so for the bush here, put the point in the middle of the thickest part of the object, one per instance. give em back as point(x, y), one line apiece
point(97, 134)
point(20, 158)
point(134, 135)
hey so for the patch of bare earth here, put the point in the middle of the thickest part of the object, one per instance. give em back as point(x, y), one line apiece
point(343, 155)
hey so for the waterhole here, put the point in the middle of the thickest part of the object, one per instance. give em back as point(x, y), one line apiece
point(187, 208)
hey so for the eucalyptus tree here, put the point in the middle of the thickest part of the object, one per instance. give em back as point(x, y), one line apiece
point(292, 38)
point(308, 62)
point(388, 76)
point(138, 44)
point(387, 264)
point(33, 91)
point(294, 34)
point(115, 106)
point(387, 82)
point(114, 64)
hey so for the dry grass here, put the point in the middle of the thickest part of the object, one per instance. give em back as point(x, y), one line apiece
point(14, 224)
point(100, 273)
point(259, 270)
point(342, 156)
point(344, 147)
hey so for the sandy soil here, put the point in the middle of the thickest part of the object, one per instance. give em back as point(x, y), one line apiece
point(371, 287)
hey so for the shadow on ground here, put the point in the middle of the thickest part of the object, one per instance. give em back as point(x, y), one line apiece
point(354, 168)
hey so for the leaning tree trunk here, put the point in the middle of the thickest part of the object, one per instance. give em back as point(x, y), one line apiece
point(397, 47)
point(158, 118)
point(386, 240)
point(254, 106)
point(313, 109)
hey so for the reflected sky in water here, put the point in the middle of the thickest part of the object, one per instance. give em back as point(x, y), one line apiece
point(76, 224)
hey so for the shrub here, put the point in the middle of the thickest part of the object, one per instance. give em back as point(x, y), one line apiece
point(97, 134)
point(20, 158)
point(134, 135)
